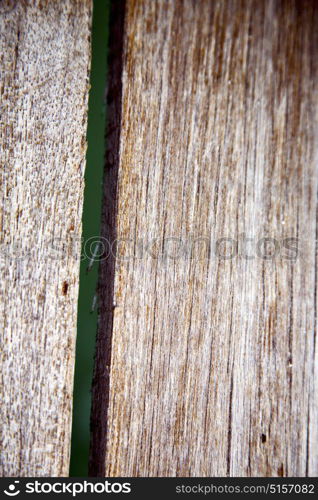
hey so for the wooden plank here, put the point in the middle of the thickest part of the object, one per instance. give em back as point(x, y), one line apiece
point(45, 54)
point(213, 365)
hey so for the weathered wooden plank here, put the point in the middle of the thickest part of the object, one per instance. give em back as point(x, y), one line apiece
point(213, 366)
point(45, 54)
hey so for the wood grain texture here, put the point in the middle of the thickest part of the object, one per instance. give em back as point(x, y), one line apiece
point(213, 367)
point(44, 60)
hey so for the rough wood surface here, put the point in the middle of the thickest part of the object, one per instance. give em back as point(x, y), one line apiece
point(44, 59)
point(213, 367)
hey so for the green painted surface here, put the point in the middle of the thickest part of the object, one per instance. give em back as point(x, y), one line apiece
point(87, 318)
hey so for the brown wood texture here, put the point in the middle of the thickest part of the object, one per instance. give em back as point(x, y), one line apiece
point(44, 61)
point(206, 364)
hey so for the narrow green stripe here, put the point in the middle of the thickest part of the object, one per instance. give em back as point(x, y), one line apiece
point(87, 317)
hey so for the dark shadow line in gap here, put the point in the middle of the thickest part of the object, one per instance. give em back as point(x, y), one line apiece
point(105, 289)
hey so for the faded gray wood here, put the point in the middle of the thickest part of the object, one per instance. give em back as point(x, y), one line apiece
point(213, 367)
point(44, 60)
